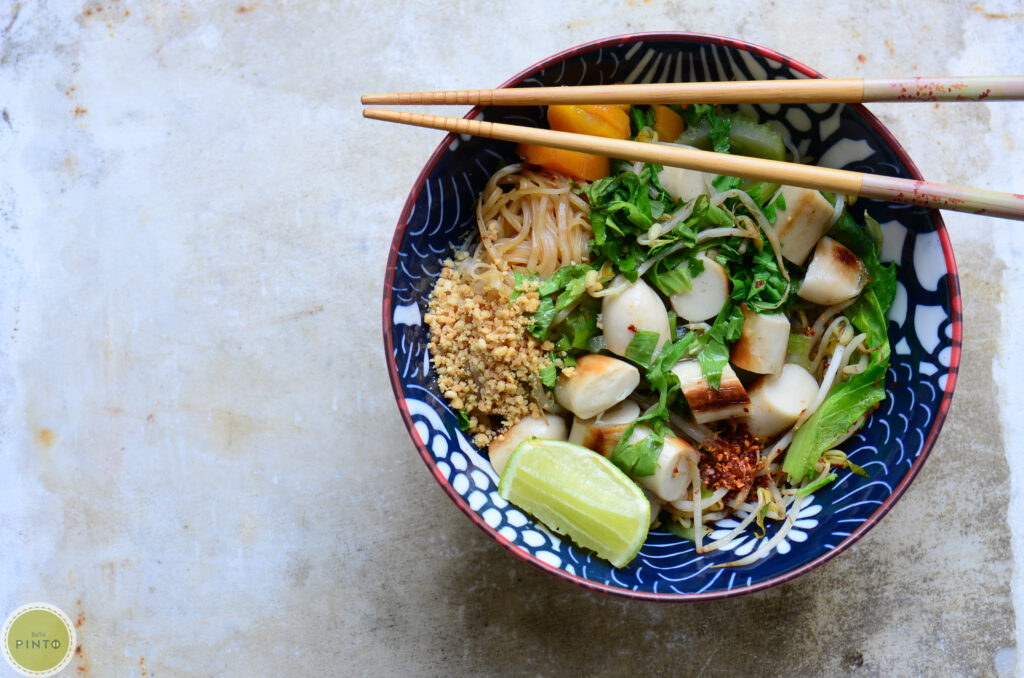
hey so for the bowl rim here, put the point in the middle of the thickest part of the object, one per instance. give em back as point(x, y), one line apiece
point(956, 318)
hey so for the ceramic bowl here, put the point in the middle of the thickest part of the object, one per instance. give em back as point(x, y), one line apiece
point(924, 327)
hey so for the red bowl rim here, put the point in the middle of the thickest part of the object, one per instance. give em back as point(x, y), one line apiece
point(870, 522)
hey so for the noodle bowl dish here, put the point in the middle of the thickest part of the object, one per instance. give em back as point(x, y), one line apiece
point(766, 367)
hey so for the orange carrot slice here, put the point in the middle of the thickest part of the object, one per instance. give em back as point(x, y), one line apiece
point(585, 166)
point(667, 123)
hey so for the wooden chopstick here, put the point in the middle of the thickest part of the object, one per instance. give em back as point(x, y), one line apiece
point(891, 189)
point(805, 91)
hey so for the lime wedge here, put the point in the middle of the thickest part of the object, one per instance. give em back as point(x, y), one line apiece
point(577, 492)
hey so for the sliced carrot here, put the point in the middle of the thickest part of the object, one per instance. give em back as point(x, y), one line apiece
point(585, 166)
point(598, 120)
point(667, 123)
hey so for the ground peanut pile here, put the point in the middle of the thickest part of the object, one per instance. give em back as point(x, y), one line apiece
point(486, 360)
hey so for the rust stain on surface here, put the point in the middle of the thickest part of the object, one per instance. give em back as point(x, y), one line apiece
point(997, 15)
point(45, 437)
point(83, 666)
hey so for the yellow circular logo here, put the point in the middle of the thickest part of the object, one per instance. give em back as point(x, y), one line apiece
point(38, 640)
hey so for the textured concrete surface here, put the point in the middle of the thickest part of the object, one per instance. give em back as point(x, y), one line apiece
point(203, 463)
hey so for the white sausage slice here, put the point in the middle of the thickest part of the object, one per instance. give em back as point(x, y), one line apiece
point(683, 184)
point(548, 426)
point(708, 295)
point(671, 479)
point(777, 400)
point(707, 404)
point(761, 347)
point(834, 275)
point(802, 223)
point(598, 382)
point(636, 308)
point(602, 433)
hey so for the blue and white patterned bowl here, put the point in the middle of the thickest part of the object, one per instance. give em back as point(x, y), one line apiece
point(924, 327)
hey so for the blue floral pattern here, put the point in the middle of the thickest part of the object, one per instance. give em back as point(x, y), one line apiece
point(924, 328)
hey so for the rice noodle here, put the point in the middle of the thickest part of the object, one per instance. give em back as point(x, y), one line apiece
point(531, 219)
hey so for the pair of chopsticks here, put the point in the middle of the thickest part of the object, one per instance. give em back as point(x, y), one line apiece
point(847, 90)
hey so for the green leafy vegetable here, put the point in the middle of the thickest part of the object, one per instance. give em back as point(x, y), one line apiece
point(816, 485)
point(542, 318)
point(756, 277)
point(639, 458)
point(641, 116)
point(519, 283)
point(641, 347)
point(798, 350)
point(856, 470)
point(771, 211)
point(580, 325)
point(463, 419)
point(674, 279)
point(569, 283)
point(633, 458)
point(684, 532)
point(621, 209)
point(727, 329)
point(724, 183)
point(549, 374)
point(842, 409)
point(710, 128)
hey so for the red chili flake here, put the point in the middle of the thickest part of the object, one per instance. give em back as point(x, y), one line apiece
point(731, 459)
point(632, 328)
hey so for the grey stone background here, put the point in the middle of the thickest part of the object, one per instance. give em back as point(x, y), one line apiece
point(202, 460)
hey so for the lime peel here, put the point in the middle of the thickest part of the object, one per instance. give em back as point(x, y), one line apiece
point(577, 492)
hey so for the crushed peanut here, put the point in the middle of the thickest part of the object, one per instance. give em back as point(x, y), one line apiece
point(486, 360)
